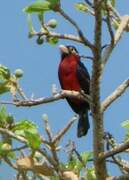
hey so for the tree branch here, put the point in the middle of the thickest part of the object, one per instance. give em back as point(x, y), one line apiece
point(80, 33)
point(98, 129)
point(60, 36)
point(114, 11)
point(61, 133)
point(117, 93)
point(19, 148)
point(117, 149)
point(123, 24)
point(61, 95)
point(122, 164)
point(89, 3)
point(122, 177)
point(13, 135)
point(109, 25)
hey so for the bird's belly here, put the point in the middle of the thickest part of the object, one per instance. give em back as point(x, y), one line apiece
point(70, 82)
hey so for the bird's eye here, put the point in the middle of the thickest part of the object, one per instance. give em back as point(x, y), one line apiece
point(72, 50)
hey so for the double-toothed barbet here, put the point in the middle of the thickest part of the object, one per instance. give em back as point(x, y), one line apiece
point(73, 75)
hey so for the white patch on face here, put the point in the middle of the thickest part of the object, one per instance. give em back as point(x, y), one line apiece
point(63, 49)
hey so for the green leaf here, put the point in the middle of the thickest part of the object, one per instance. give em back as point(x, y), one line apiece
point(86, 156)
point(4, 73)
point(29, 130)
point(6, 121)
point(4, 87)
point(81, 7)
point(71, 164)
point(54, 178)
point(3, 116)
point(125, 124)
point(54, 4)
point(5, 76)
point(38, 7)
point(10, 119)
point(126, 136)
point(12, 155)
point(113, 3)
point(52, 40)
point(23, 125)
point(34, 139)
point(74, 164)
point(91, 174)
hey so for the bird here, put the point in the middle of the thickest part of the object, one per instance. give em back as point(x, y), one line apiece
point(73, 75)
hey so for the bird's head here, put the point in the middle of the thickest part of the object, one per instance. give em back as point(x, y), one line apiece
point(68, 51)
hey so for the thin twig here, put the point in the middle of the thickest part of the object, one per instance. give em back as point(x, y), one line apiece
point(122, 164)
point(86, 57)
point(48, 130)
point(19, 148)
point(123, 24)
point(53, 161)
point(117, 93)
point(80, 33)
point(8, 161)
point(114, 11)
point(109, 25)
point(89, 3)
point(55, 157)
point(47, 156)
point(111, 144)
point(91, 9)
point(22, 94)
point(61, 133)
point(122, 177)
point(80, 158)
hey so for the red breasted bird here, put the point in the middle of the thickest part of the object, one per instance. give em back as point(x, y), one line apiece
point(74, 76)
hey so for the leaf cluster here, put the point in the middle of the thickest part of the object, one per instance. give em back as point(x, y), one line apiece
point(9, 81)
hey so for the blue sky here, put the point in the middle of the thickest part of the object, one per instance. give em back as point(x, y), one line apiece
point(40, 66)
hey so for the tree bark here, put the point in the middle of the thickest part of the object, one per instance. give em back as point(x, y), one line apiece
point(98, 127)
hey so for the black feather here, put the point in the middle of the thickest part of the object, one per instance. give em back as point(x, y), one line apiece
point(83, 77)
point(84, 80)
point(82, 107)
point(83, 124)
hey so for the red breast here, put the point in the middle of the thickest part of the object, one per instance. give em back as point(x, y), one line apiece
point(67, 73)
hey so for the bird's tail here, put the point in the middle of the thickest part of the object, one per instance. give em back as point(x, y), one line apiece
point(83, 124)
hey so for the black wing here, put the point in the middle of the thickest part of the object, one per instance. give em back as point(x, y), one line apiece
point(83, 77)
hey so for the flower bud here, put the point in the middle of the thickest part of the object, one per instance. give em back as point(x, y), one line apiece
point(52, 23)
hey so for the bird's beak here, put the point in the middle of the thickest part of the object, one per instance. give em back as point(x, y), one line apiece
point(63, 49)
